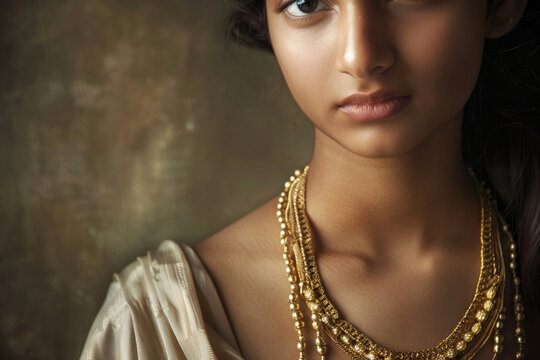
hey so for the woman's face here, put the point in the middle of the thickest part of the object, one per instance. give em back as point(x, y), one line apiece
point(426, 52)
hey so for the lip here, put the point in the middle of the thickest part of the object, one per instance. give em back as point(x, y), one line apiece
point(373, 106)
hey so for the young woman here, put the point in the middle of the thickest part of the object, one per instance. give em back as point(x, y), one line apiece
point(414, 232)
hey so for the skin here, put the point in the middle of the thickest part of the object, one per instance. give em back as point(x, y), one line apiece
point(396, 218)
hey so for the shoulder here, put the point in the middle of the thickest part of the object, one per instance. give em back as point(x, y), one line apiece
point(151, 309)
point(249, 239)
point(137, 285)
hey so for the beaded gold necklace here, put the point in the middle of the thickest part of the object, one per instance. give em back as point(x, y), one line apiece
point(484, 314)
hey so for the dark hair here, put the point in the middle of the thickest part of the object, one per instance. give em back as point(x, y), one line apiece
point(501, 124)
point(247, 25)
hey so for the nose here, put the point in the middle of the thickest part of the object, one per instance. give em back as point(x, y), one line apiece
point(364, 46)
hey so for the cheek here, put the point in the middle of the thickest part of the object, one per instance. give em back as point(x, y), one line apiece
point(306, 61)
point(444, 62)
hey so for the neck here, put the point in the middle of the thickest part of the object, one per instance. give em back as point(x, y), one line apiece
point(417, 201)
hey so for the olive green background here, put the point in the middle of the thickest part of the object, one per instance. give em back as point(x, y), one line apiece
point(123, 123)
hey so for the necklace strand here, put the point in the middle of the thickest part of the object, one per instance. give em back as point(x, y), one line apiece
point(486, 314)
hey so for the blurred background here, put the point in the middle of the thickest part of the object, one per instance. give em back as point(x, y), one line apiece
point(123, 123)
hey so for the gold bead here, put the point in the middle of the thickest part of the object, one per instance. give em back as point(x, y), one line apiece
point(516, 281)
point(476, 328)
point(519, 355)
point(513, 246)
point(488, 305)
point(345, 339)
point(481, 315)
point(499, 324)
point(313, 317)
point(287, 185)
point(297, 173)
point(292, 178)
point(292, 297)
point(461, 345)
point(520, 316)
point(319, 341)
point(520, 331)
point(301, 345)
point(283, 225)
point(517, 297)
point(518, 307)
point(293, 306)
point(513, 265)
point(292, 279)
point(299, 324)
point(498, 339)
point(371, 356)
point(497, 348)
point(321, 350)
point(335, 331)
point(357, 348)
point(325, 319)
point(297, 315)
point(502, 316)
point(315, 325)
point(282, 233)
point(521, 340)
point(451, 353)
point(513, 256)
point(491, 293)
point(468, 337)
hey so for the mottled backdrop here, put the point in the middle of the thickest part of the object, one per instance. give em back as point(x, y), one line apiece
point(123, 123)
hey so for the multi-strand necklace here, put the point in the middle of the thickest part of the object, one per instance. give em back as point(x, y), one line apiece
point(485, 315)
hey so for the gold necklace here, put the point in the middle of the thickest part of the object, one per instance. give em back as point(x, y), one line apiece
point(482, 316)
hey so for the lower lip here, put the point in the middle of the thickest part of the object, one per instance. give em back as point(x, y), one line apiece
point(377, 110)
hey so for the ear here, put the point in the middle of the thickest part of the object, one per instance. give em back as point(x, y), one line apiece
point(504, 16)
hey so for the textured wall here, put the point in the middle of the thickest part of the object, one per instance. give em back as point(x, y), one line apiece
point(123, 123)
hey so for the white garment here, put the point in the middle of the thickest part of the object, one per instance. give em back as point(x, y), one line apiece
point(162, 306)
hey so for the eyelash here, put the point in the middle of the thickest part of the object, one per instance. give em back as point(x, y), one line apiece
point(298, 19)
point(284, 6)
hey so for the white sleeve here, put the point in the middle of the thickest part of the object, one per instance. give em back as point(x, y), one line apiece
point(151, 312)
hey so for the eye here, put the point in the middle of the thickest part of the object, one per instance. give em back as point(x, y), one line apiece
point(301, 8)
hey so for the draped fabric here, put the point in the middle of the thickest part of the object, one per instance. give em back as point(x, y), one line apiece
point(162, 306)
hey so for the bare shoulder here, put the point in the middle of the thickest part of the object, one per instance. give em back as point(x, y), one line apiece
point(245, 263)
point(254, 237)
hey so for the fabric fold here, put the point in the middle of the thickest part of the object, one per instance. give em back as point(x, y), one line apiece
point(162, 306)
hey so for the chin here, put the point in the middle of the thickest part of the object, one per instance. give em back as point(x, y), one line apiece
point(382, 151)
point(379, 143)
